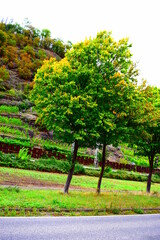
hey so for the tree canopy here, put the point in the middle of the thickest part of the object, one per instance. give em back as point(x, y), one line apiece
point(144, 124)
point(64, 106)
point(106, 69)
point(84, 97)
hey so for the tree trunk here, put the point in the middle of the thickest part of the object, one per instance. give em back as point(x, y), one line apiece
point(70, 174)
point(102, 168)
point(150, 174)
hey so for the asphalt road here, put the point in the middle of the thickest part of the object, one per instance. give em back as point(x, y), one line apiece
point(137, 227)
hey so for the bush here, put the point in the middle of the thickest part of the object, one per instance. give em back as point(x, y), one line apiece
point(108, 170)
point(23, 154)
point(123, 175)
point(4, 74)
point(24, 72)
point(3, 38)
point(42, 54)
point(138, 161)
point(24, 161)
point(29, 49)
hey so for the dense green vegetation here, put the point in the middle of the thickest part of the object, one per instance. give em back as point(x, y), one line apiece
point(130, 155)
point(24, 161)
point(69, 97)
point(25, 48)
point(69, 91)
point(73, 100)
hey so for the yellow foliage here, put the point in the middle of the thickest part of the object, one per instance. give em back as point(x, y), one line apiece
point(86, 41)
point(69, 112)
point(75, 98)
point(121, 83)
point(117, 74)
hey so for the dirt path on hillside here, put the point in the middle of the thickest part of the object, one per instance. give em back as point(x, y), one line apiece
point(7, 180)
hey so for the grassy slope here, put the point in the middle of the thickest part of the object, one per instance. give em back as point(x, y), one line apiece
point(81, 181)
point(113, 201)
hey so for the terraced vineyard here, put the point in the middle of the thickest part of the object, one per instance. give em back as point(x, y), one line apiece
point(19, 128)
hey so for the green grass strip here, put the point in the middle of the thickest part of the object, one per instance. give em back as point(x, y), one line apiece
point(12, 197)
point(82, 181)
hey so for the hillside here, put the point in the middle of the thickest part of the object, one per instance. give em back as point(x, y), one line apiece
point(22, 52)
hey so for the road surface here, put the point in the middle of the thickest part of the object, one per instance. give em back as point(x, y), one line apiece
point(134, 227)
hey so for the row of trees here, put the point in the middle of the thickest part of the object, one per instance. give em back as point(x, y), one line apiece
point(26, 34)
point(91, 97)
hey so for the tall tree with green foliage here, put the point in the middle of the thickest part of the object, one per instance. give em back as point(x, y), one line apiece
point(84, 97)
point(144, 125)
point(111, 84)
point(64, 106)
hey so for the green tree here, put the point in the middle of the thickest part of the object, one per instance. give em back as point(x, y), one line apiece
point(84, 98)
point(45, 33)
point(144, 125)
point(59, 47)
point(111, 84)
point(64, 106)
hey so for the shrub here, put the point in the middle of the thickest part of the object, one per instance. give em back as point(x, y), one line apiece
point(25, 66)
point(108, 170)
point(23, 154)
point(3, 38)
point(12, 92)
point(123, 175)
point(138, 161)
point(42, 54)
point(25, 104)
point(28, 49)
point(11, 54)
point(12, 42)
point(24, 72)
point(24, 161)
point(4, 74)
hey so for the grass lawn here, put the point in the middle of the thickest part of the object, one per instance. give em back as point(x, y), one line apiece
point(15, 201)
point(13, 197)
point(80, 181)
